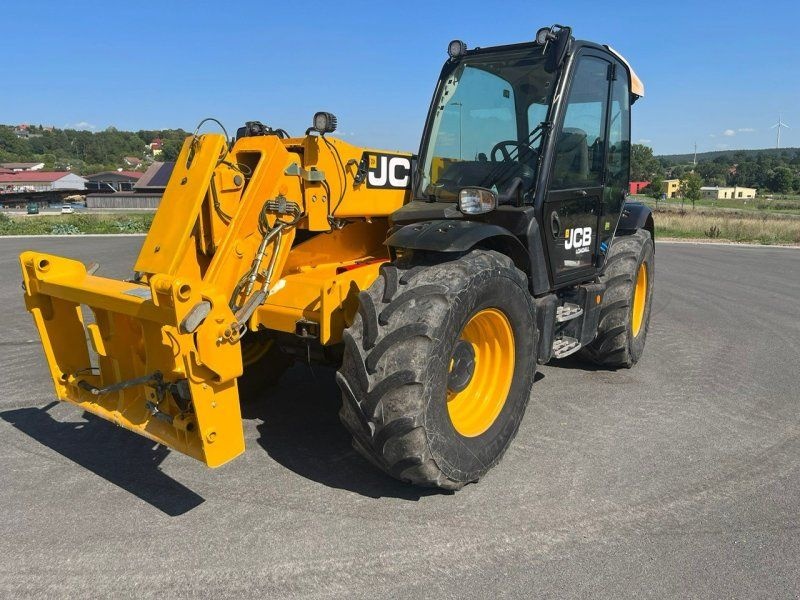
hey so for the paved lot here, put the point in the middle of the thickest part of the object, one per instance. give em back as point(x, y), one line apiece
point(680, 477)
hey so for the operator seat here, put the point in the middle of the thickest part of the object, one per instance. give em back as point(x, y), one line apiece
point(572, 157)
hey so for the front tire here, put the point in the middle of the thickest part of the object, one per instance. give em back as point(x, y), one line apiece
point(438, 367)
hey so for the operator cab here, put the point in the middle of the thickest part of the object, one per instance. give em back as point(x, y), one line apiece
point(541, 128)
point(486, 128)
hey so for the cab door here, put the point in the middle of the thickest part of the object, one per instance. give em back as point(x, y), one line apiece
point(574, 201)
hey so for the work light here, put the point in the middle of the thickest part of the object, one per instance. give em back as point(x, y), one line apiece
point(325, 122)
point(456, 49)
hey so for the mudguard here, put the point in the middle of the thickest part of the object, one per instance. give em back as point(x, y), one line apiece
point(636, 215)
point(447, 235)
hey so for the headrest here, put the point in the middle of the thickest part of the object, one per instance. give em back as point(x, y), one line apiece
point(571, 138)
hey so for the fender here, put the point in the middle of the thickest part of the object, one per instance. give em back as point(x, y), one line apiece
point(446, 235)
point(636, 215)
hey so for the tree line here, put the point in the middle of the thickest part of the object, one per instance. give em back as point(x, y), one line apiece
point(769, 170)
point(85, 152)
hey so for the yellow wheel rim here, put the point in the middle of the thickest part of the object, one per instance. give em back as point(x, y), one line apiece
point(639, 300)
point(477, 399)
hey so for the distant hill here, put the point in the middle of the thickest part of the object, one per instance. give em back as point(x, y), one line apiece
point(678, 159)
point(86, 152)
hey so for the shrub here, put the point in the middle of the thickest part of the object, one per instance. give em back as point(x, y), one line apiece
point(64, 229)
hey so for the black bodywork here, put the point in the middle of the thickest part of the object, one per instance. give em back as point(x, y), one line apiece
point(532, 227)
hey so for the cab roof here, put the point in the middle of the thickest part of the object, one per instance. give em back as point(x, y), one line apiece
point(637, 86)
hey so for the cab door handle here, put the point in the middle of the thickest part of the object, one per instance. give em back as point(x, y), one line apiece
point(555, 225)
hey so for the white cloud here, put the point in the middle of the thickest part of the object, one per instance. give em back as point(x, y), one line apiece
point(746, 129)
point(643, 141)
point(722, 146)
point(82, 126)
point(712, 135)
point(729, 133)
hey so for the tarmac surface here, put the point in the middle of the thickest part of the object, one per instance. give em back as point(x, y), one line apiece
point(677, 478)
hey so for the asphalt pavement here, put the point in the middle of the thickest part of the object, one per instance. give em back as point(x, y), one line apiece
point(677, 478)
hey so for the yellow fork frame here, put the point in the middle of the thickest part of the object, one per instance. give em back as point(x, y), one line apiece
point(176, 384)
point(136, 333)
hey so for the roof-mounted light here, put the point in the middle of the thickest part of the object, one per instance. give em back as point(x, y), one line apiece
point(456, 49)
point(544, 35)
point(324, 122)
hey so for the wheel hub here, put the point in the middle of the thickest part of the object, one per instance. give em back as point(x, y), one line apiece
point(462, 367)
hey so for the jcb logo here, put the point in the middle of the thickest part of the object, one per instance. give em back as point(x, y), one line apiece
point(388, 171)
point(578, 238)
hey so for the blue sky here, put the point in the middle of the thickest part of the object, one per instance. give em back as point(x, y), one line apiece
point(716, 73)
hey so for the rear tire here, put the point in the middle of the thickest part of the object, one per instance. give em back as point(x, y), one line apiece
point(408, 352)
point(625, 312)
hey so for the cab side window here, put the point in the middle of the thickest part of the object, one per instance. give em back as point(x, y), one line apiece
point(580, 146)
point(619, 135)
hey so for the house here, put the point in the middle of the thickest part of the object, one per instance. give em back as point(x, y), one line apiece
point(670, 187)
point(23, 166)
point(155, 178)
point(636, 187)
point(156, 146)
point(725, 193)
point(40, 181)
point(145, 194)
point(132, 161)
point(112, 181)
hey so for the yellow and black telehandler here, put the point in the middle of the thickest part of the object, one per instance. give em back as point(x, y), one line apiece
point(435, 283)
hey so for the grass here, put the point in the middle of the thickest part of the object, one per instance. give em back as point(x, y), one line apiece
point(719, 223)
point(779, 204)
point(74, 224)
point(734, 226)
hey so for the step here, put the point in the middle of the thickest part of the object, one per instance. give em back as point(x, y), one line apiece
point(568, 311)
point(564, 346)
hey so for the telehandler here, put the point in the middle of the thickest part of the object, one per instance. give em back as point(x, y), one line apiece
point(436, 283)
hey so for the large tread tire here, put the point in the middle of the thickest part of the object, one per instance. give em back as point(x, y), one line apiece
point(616, 345)
point(396, 359)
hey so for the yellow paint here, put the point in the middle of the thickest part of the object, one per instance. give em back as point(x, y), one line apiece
point(474, 409)
point(639, 300)
point(203, 240)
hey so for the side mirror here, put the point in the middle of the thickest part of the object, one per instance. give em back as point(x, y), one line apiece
point(558, 48)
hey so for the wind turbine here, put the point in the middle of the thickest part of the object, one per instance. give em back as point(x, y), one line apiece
point(779, 124)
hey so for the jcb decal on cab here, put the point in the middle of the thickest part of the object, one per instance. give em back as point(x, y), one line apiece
point(579, 238)
point(387, 170)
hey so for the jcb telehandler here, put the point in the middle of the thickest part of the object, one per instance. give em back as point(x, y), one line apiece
point(436, 282)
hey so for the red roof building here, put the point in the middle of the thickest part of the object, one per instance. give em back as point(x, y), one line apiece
point(40, 181)
point(636, 187)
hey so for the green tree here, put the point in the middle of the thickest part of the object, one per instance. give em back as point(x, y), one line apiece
point(655, 188)
point(781, 180)
point(644, 166)
point(690, 187)
point(170, 150)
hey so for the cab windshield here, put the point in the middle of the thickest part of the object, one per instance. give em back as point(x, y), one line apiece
point(487, 124)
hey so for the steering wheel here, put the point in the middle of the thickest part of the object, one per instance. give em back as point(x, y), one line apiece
point(503, 148)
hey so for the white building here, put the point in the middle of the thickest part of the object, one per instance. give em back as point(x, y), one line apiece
point(40, 181)
point(726, 193)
